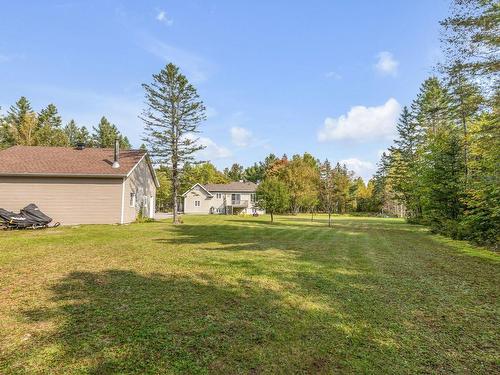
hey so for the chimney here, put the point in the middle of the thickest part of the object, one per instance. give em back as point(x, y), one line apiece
point(116, 160)
point(80, 146)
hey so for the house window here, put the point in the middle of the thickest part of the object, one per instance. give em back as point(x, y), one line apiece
point(197, 203)
point(218, 195)
point(132, 199)
point(252, 198)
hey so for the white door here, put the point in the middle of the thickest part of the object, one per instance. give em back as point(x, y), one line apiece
point(151, 207)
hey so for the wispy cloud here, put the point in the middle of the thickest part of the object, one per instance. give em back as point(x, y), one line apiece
point(194, 66)
point(164, 18)
point(5, 58)
point(333, 75)
point(241, 137)
point(212, 150)
point(387, 64)
point(362, 123)
point(362, 168)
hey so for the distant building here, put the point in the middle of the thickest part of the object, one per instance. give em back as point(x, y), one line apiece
point(230, 199)
point(79, 185)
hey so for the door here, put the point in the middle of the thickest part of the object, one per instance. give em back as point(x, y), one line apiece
point(235, 198)
point(151, 207)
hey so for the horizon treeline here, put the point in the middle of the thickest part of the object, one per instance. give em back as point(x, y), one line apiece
point(23, 126)
point(310, 185)
point(444, 165)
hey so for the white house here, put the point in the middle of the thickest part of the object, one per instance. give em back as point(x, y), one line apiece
point(233, 198)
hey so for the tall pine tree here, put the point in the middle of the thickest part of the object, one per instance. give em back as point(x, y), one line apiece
point(105, 134)
point(173, 114)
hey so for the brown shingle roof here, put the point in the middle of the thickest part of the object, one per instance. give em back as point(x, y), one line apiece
point(61, 161)
point(243, 187)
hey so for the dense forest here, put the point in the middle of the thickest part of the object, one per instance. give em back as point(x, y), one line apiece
point(444, 165)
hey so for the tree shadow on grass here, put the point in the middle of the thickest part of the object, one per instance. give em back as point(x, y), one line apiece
point(119, 321)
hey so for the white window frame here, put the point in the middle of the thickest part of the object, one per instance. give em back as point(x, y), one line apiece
point(133, 199)
point(197, 203)
point(218, 195)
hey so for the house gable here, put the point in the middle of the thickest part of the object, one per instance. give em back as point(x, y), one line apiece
point(198, 187)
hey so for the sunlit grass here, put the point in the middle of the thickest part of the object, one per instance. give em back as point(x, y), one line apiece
point(240, 295)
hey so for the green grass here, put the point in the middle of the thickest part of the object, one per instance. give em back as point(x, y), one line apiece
point(226, 295)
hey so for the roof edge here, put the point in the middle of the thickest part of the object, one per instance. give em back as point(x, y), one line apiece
point(150, 167)
point(72, 175)
point(200, 185)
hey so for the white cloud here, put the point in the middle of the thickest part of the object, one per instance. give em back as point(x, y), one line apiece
point(387, 64)
point(194, 66)
point(364, 169)
point(212, 150)
point(240, 136)
point(163, 18)
point(333, 75)
point(362, 123)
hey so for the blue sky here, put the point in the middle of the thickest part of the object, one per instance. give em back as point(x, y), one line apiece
point(326, 77)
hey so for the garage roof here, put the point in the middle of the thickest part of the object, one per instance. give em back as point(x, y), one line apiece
point(66, 161)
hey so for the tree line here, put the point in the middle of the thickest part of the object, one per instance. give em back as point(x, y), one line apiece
point(300, 184)
point(23, 126)
point(444, 164)
point(442, 169)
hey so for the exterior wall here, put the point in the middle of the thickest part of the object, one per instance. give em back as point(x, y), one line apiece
point(66, 200)
point(197, 194)
point(215, 204)
point(141, 183)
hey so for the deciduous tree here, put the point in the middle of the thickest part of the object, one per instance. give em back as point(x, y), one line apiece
point(273, 196)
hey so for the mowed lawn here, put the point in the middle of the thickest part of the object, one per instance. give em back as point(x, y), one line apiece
point(227, 295)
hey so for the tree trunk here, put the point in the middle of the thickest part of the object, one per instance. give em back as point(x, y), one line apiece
point(272, 217)
point(312, 215)
point(175, 189)
point(464, 121)
point(329, 218)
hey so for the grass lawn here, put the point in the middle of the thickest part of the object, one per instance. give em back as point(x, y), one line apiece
point(227, 295)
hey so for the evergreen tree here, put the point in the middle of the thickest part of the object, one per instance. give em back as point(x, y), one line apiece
point(49, 116)
point(255, 173)
point(471, 36)
point(17, 123)
point(17, 111)
point(403, 159)
point(482, 216)
point(4, 132)
point(443, 182)
point(105, 134)
point(235, 173)
point(76, 134)
point(432, 106)
point(341, 180)
point(49, 132)
point(172, 116)
point(72, 132)
point(466, 102)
